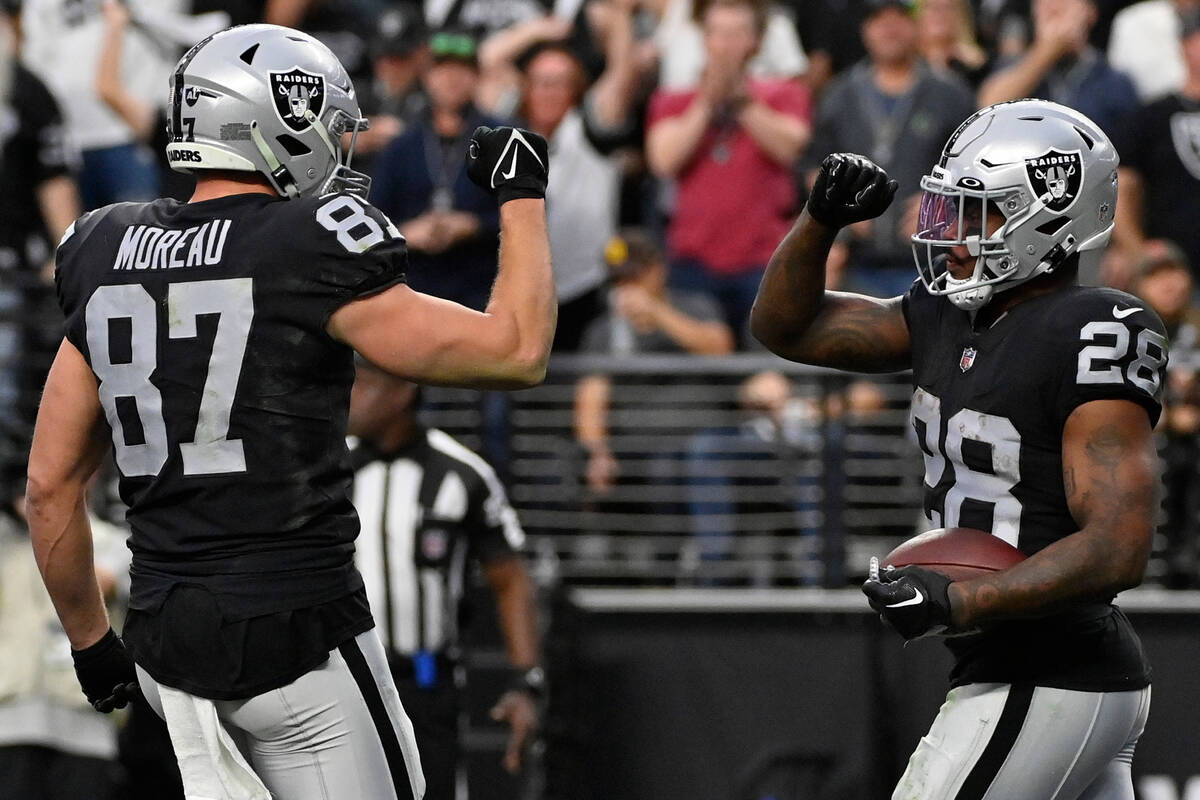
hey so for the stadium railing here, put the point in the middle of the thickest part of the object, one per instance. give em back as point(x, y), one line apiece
point(709, 492)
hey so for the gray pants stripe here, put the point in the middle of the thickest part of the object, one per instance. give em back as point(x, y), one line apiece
point(388, 736)
point(1004, 736)
point(337, 732)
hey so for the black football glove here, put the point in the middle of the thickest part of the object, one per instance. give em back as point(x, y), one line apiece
point(849, 188)
point(913, 600)
point(508, 162)
point(106, 673)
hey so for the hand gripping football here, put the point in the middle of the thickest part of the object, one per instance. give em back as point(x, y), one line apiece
point(957, 553)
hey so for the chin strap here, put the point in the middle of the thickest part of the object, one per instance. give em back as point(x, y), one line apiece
point(1050, 262)
point(1057, 255)
point(280, 177)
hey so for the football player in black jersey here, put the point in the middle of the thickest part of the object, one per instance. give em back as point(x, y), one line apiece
point(1034, 400)
point(212, 343)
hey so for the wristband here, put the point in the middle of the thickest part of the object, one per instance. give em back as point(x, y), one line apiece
point(532, 680)
point(97, 651)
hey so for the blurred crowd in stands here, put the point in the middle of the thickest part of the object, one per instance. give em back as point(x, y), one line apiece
point(684, 135)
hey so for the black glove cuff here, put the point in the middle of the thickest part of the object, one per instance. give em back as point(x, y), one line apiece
point(509, 191)
point(96, 652)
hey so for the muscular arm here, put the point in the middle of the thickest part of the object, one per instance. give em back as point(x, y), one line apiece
point(699, 337)
point(518, 620)
point(1020, 79)
point(499, 53)
point(1110, 474)
point(288, 13)
point(431, 340)
point(591, 411)
point(615, 89)
point(68, 444)
point(514, 604)
point(1128, 231)
point(780, 135)
point(137, 114)
point(592, 395)
point(58, 200)
point(795, 317)
point(671, 142)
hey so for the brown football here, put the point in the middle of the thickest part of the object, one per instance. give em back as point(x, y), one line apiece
point(959, 553)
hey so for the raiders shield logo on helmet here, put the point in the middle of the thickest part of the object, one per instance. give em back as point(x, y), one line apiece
point(295, 93)
point(1057, 174)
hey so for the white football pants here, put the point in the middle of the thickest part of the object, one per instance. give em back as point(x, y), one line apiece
point(998, 741)
point(335, 733)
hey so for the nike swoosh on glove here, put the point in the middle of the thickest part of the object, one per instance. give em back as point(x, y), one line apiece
point(913, 600)
point(106, 673)
point(510, 163)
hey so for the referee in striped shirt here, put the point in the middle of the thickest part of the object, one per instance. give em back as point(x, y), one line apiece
point(427, 505)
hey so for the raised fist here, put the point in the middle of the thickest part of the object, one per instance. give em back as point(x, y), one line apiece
point(508, 162)
point(849, 188)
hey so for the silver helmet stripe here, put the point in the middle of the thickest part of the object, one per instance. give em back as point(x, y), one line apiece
point(177, 89)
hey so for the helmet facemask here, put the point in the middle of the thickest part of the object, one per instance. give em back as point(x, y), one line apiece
point(953, 217)
point(341, 178)
point(344, 179)
point(1047, 174)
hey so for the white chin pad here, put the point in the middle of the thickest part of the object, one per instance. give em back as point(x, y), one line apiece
point(968, 299)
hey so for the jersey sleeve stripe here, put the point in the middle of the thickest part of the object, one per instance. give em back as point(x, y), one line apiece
point(444, 443)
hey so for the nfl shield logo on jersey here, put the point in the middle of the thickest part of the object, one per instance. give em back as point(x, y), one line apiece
point(434, 544)
point(1057, 174)
point(297, 92)
point(967, 359)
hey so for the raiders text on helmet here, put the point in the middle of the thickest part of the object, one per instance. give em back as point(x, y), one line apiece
point(266, 99)
point(1049, 170)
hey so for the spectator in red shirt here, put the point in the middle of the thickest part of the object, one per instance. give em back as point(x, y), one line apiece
point(729, 145)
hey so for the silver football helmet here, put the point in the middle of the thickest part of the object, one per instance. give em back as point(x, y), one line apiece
point(1049, 176)
point(266, 99)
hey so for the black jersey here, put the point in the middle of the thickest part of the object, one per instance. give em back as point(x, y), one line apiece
point(989, 408)
point(204, 324)
point(33, 150)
